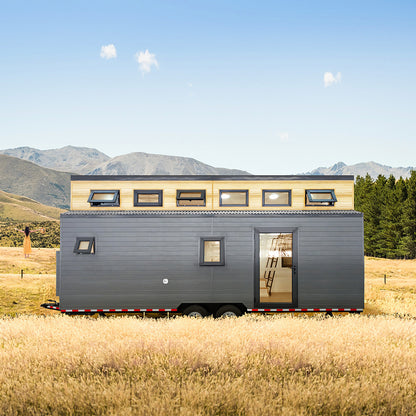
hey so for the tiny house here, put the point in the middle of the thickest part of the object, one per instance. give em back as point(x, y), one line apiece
point(202, 245)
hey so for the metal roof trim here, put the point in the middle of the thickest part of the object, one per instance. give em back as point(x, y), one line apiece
point(226, 213)
point(212, 177)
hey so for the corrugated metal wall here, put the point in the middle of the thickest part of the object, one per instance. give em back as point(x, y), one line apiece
point(134, 253)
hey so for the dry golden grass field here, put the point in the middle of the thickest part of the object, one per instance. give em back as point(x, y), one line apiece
point(253, 365)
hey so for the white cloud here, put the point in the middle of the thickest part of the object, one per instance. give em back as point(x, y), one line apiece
point(331, 79)
point(146, 60)
point(190, 84)
point(284, 137)
point(108, 51)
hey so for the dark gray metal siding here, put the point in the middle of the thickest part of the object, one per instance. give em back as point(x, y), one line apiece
point(134, 253)
point(58, 273)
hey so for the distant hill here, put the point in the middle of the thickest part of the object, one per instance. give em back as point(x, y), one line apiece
point(373, 168)
point(47, 186)
point(20, 208)
point(80, 160)
point(152, 164)
point(86, 161)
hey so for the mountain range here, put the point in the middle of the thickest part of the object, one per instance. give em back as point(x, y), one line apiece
point(44, 175)
point(372, 168)
point(86, 161)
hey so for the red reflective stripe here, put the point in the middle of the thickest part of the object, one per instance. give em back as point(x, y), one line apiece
point(111, 310)
point(304, 310)
point(341, 309)
point(149, 310)
point(124, 310)
point(174, 310)
point(87, 310)
point(353, 310)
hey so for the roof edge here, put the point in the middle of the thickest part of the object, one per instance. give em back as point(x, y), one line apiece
point(225, 213)
point(210, 177)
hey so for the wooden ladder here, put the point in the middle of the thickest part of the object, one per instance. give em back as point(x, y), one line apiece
point(277, 249)
point(271, 265)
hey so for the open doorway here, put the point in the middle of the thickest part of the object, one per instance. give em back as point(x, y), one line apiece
point(276, 267)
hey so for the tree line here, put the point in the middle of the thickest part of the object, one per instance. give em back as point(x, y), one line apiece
point(389, 208)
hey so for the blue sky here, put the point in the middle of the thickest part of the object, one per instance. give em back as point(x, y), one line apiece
point(235, 84)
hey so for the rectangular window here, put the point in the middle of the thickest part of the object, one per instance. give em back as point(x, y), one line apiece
point(101, 198)
point(190, 198)
point(212, 252)
point(85, 245)
point(233, 198)
point(146, 198)
point(277, 198)
point(320, 197)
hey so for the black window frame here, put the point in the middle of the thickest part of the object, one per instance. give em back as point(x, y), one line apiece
point(90, 246)
point(202, 261)
point(115, 202)
point(319, 202)
point(202, 198)
point(234, 191)
point(158, 192)
point(276, 190)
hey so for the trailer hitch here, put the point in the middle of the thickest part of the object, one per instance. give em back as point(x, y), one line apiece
point(51, 304)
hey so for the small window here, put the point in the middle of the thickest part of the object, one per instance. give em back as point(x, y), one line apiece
point(190, 198)
point(277, 198)
point(146, 198)
point(319, 197)
point(233, 198)
point(85, 245)
point(212, 251)
point(101, 198)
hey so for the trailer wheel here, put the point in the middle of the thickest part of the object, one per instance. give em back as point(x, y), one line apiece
point(228, 311)
point(195, 311)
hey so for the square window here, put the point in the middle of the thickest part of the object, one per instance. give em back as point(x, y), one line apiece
point(212, 251)
point(84, 245)
point(277, 198)
point(101, 198)
point(146, 198)
point(233, 198)
point(185, 198)
point(320, 197)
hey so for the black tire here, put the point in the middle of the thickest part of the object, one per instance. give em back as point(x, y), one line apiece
point(228, 311)
point(195, 311)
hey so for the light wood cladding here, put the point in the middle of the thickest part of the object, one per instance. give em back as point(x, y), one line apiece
point(344, 191)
